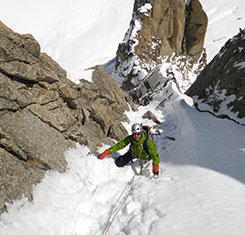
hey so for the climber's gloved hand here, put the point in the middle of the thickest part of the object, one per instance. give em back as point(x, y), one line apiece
point(155, 170)
point(102, 155)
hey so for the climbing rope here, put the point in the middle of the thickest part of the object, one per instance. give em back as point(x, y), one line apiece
point(125, 193)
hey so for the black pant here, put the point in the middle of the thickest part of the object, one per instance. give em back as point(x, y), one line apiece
point(124, 159)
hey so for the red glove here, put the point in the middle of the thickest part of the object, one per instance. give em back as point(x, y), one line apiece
point(102, 155)
point(155, 170)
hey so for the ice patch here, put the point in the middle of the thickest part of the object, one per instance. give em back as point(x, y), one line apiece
point(240, 65)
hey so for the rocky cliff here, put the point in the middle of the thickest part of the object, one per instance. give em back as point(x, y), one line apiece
point(220, 88)
point(160, 29)
point(42, 113)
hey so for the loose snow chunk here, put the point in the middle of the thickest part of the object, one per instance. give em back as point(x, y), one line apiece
point(240, 49)
point(144, 9)
point(240, 65)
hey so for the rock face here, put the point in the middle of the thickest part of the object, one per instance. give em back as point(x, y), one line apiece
point(220, 88)
point(155, 84)
point(195, 30)
point(158, 29)
point(42, 113)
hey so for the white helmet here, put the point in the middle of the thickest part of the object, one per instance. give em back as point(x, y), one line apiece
point(137, 128)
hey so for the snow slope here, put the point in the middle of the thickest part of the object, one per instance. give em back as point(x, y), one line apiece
point(202, 173)
point(200, 190)
point(225, 17)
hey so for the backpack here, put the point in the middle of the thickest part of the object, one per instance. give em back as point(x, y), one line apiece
point(147, 129)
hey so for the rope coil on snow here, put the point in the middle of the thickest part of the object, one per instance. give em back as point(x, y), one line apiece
point(128, 187)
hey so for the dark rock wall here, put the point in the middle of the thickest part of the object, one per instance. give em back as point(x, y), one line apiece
point(222, 78)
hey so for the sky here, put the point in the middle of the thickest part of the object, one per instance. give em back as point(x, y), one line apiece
point(201, 187)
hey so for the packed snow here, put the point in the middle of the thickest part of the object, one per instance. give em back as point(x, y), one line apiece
point(201, 188)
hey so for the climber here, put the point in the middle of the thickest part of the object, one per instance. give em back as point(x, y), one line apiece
point(142, 147)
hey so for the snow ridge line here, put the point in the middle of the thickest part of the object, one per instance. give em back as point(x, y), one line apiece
point(129, 186)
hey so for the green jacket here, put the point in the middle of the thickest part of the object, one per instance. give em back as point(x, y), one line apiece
point(137, 148)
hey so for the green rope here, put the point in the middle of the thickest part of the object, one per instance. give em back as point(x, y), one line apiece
point(113, 206)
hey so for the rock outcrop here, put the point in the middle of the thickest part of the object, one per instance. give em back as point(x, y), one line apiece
point(42, 114)
point(195, 30)
point(220, 88)
point(160, 29)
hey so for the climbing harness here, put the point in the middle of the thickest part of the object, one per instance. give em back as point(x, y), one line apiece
point(143, 164)
point(125, 194)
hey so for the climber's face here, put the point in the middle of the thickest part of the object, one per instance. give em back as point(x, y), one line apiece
point(137, 137)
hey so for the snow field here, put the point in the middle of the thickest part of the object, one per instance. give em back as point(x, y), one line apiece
point(224, 20)
point(75, 202)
